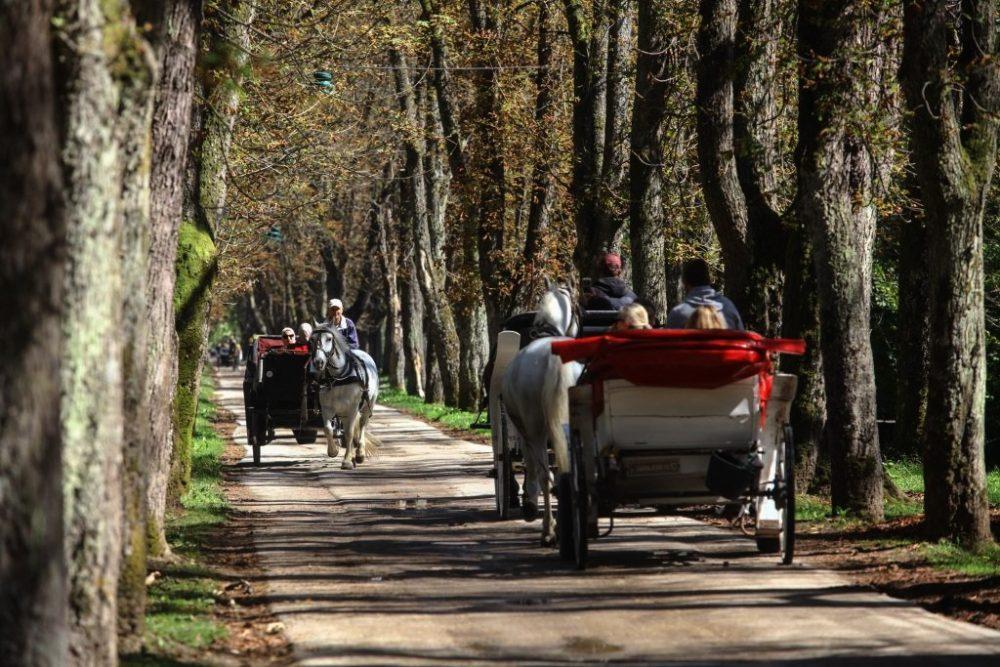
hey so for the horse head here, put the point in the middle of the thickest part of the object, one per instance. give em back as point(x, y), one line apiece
point(557, 313)
point(328, 352)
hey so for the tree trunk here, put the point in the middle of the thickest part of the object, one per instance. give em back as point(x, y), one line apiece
point(389, 256)
point(33, 591)
point(913, 332)
point(135, 137)
point(197, 255)
point(951, 77)
point(413, 325)
point(649, 112)
point(542, 181)
point(837, 175)
point(737, 137)
point(92, 400)
point(176, 28)
point(440, 319)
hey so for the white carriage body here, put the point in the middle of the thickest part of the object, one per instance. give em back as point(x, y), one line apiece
point(660, 439)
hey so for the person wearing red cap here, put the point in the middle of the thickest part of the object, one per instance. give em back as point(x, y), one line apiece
point(609, 291)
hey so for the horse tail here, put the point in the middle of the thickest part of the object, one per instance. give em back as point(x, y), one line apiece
point(370, 445)
point(558, 380)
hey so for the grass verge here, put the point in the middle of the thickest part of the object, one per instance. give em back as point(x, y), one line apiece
point(180, 614)
point(438, 413)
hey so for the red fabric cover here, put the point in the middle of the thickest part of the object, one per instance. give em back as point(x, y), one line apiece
point(699, 359)
point(265, 345)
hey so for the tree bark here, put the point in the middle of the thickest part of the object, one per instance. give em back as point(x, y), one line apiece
point(951, 77)
point(649, 112)
point(174, 38)
point(197, 255)
point(135, 137)
point(837, 177)
point(429, 273)
point(913, 332)
point(33, 590)
point(389, 256)
point(92, 398)
point(413, 325)
point(737, 137)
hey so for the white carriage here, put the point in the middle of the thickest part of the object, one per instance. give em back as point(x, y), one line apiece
point(656, 421)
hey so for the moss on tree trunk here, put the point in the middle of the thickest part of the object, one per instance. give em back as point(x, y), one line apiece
point(196, 267)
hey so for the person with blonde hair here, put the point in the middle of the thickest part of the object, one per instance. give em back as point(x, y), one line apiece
point(705, 317)
point(632, 316)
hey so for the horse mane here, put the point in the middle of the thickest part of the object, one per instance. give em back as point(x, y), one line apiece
point(546, 322)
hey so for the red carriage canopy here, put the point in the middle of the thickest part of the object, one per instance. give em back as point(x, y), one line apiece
point(698, 359)
point(264, 345)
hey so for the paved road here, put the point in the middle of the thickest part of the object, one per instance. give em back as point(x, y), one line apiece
point(402, 562)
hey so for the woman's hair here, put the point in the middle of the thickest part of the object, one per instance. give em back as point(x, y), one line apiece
point(705, 317)
point(634, 316)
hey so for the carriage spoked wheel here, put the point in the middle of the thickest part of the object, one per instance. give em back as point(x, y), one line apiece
point(787, 473)
point(504, 467)
point(580, 510)
point(257, 432)
point(784, 499)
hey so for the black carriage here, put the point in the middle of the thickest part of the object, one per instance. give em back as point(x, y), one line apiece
point(278, 393)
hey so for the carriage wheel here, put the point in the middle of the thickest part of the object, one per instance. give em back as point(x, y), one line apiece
point(305, 436)
point(564, 517)
point(580, 509)
point(504, 467)
point(788, 511)
point(256, 434)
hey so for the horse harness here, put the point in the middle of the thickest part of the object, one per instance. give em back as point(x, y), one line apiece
point(355, 371)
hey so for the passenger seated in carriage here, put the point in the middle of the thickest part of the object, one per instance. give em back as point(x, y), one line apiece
point(632, 316)
point(609, 291)
point(305, 332)
point(705, 317)
point(699, 292)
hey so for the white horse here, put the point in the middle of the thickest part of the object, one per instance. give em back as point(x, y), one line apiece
point(348, 388)
point(535, 397)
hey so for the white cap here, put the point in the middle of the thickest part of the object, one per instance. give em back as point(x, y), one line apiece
point(336, 303)
point(287, 330)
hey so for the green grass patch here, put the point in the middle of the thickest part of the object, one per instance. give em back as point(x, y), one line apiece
point(434, 412)
point(180, 604)
point(945, 555)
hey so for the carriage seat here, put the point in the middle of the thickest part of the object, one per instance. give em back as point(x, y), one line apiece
point(592, 323)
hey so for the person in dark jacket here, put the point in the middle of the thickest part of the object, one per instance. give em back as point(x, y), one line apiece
point(609, 291)
point(335, 319)
point(699, 293)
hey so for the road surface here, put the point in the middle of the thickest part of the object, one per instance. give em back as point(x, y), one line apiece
point(402, 562)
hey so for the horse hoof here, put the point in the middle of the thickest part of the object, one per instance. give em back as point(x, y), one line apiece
point(360, 458)
point(529, 511)
point(347, 465)
point(333, 452)
point(549, 541)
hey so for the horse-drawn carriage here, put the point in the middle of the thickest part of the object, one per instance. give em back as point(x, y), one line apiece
point(278, 394)
point(656, 418)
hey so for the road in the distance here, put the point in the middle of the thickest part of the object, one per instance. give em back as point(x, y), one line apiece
point(402, 562)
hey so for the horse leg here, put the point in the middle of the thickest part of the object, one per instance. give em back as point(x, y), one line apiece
point(349, 432)
point(532, 478)
point(332, 448)
point(548, 527)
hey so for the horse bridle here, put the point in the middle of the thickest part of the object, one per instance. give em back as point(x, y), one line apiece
point(324, 378)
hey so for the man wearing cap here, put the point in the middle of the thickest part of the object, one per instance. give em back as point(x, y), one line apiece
point(335, 319)
point(609, 291)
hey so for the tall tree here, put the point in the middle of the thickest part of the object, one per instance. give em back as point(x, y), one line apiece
point(951, 76)
point(737, 142)
point(440, 318)
point(33, 591)
point(176, 24)
point(649, 112)
point(598, 33)
point(838, 176)
point(197, 257)
point(135, 138)
point(92, 398)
